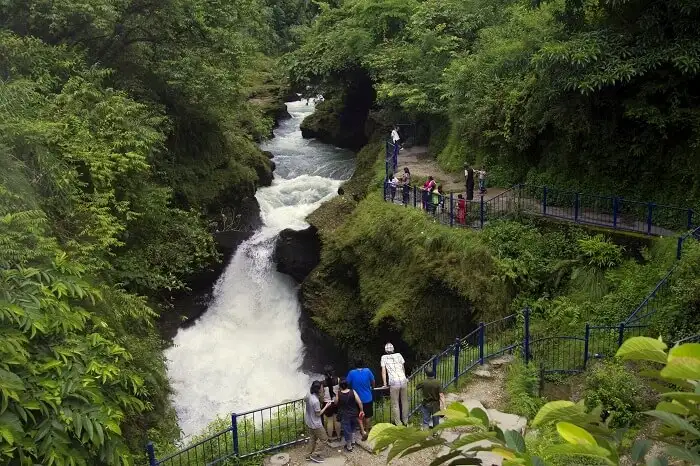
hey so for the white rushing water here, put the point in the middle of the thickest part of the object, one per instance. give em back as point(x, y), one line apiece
point(246, 350)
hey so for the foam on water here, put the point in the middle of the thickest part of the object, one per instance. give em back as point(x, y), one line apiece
point(246, 350)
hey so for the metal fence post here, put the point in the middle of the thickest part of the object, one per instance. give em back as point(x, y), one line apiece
point(520, 197)
point(690, 219)
point(544, 202)
point(481, 213)
point(435, 366)
point(679, 248)
point(526, 340)
point(234, 433)
point(481, 343)
point(585, 345)
point(452, 209)
point(615, 209)
point(649, 216)
point(577, 201)
point(458, 343)
point(151, 452)
point(385, 189)
point(386, 169)
point(415, 195)
point(621, 334)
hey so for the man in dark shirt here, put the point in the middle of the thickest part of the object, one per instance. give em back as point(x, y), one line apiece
point(432, 398)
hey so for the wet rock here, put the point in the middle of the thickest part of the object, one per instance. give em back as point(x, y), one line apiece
point(297, 253)
point(483, 373)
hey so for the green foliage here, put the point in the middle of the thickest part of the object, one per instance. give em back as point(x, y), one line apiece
point(617, 390)
point(522, 386)
point(122, 126)
point(597, 255)
point(66, 385)
point(521, 86)
point(582, 436)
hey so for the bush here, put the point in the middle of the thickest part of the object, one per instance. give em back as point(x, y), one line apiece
point(522, 386)
point(617, 390)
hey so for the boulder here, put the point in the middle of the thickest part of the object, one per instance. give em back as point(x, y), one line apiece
point(297, 253)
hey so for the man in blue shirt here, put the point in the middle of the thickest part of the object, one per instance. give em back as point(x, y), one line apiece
point(361, 379)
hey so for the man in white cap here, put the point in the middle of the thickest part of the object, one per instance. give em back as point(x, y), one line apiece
point(392, 364)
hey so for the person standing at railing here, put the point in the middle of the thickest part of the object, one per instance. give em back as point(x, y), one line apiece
point(406, 185)
point(330, 391)
point(393, 183)
point(433, 399)
point(396, 137)
point(393, 368)
point(361, 379)
point(461, 209)
point(482, 181)
point(469, 176)
point(350, 410)
point(434, 201)
point(313, 418)
point(427, 189)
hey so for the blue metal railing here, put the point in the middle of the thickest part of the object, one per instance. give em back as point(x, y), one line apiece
point(277, 426)
point(612, 212)
point(603, 340)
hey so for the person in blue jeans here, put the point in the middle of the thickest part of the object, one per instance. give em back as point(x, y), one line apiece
point(350, 410)
point(361, 379)
point(433, 399)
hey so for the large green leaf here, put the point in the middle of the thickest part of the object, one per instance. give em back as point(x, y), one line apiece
point(685, 396)
point(480, 414)
point(674, 421)
point(10, 381)
point(643, 349)
point(684, 454)
point(640, 449)
point(675, 408)
point(466, 439)
point(682, 368)
point(444, 458)
point(408, 438)
point(561, 410)
point(575, 434)
point(514, 440)
point(382, 435)
point(579, 450)
point(687, 350)
point(422, 445)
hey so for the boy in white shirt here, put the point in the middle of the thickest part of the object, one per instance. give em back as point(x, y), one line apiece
point(393, 366)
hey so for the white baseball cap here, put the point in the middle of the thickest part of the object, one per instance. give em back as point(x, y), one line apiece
point(389, 348)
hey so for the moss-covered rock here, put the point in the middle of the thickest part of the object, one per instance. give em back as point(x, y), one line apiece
point(391, 268)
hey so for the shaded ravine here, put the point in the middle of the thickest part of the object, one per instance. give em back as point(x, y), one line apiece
point(246, 351)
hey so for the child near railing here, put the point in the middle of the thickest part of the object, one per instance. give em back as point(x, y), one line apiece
point(482, 180)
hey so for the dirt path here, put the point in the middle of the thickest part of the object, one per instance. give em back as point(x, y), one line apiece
point(421, 164)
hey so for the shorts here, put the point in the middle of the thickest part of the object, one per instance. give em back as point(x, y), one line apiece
point(368, 409)
point(331, 410)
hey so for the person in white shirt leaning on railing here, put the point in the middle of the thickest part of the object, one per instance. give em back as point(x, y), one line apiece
point(393, 367)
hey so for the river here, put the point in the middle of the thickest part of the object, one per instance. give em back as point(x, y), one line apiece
point(246, 350)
